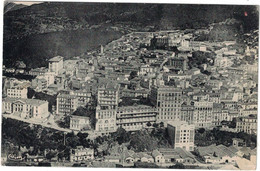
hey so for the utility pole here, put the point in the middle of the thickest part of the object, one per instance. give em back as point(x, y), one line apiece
point(64, 138)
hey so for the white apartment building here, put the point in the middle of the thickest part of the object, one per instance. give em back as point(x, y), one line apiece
point(79, 123)
point(203, 114)
point(133, 118)
point(181, 134)
point(168, 101)
point(81, 154)
point(223, 62)
point(56, 64)
point(146, 69)
point(25, 108)
point(66, 103)
point(18, 90)
point(247, 124)
point(107, 103)
point(108, 96)
point(105, 120)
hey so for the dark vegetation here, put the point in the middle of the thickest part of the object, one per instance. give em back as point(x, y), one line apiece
point(42, 96)
point(22, 134)
point(199, 58)
point(177, 166)
point(127, 101)
point(81, 111)
point(207, 137)
point(39, 138)
point(25, 135)
point(145, 165)
point(19, 76)
point(36, 49)
point(139, 141)
point(9, 6)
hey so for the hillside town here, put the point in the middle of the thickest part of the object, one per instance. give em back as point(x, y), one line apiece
point(149, 99)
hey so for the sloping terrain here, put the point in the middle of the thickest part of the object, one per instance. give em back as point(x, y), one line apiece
point(38, 32)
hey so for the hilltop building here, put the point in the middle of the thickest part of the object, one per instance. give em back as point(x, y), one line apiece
point(56, 64)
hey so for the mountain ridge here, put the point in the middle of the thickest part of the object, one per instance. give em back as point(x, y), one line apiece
point(53, 21)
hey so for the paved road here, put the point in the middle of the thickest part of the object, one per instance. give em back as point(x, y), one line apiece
point(42, 122)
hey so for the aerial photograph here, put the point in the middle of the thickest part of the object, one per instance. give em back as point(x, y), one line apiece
point(129, 85)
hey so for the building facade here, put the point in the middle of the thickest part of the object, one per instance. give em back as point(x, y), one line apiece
point(133, 118)
point(81, 154)
point(25, 108)
point(79, 123)
point(107, 104)
point(181, 134)
point(66, 103)
point(105, 120)
point(203, 114)
point(56, 64)
point(247, 124)
point(168, 101)
point(108, 96)
point(17, 90)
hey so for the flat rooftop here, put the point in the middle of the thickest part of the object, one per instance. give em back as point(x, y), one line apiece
point(56, 59)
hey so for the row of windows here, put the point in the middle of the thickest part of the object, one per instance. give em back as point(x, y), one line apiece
point(171, 109)
point(164, 117)
point(169, 94)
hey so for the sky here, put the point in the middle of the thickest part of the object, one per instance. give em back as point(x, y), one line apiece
point(26, 2)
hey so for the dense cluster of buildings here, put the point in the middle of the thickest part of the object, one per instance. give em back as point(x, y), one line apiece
point(176, 90)
point(134, 87)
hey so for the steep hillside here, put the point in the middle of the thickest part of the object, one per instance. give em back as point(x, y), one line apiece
point(38, 32)
point(9, 6)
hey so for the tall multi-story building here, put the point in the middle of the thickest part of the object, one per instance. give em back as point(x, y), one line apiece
point(168, 101)
point(181, 134)
point(105, 120)
point(25, 108)
point(203, 114)
point(107, 103)
point(108, 96)
point(133, 118)
point(217, 116)
point(160, 42)
point(247, 124)
point(187, 113)
point(56, 64)
point(39, 84)
point(66, 103)
point(84, 97)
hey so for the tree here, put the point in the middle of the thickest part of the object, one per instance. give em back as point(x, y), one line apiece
point(50, 155)
point(142, 141)
point(149, 124)
point(201, 130)
point(155, 125)
point(177, 166)
point(121, 135)
point(171, 82)
point(30, 93)
point(133, 74)
point(161, 124)
point(232, 124)
point(82, 135)
point(65, 123)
